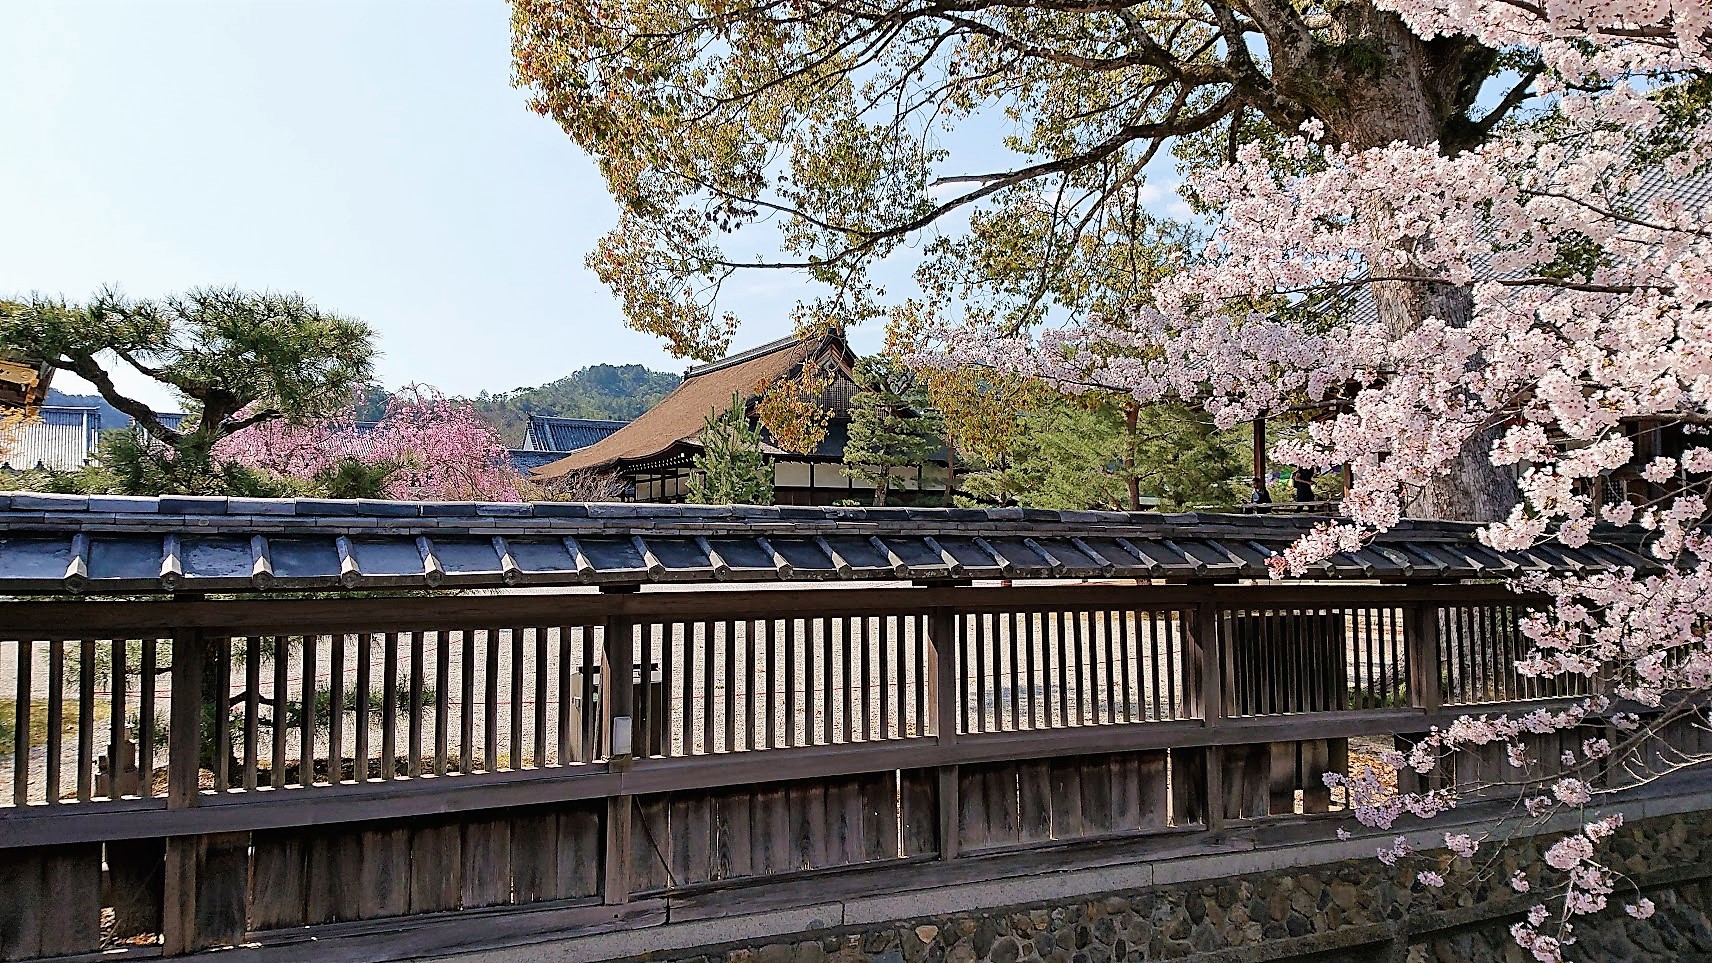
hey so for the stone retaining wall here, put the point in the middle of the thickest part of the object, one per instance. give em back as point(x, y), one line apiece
point(1357, 910)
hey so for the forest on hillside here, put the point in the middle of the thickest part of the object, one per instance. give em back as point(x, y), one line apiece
point(619, 392)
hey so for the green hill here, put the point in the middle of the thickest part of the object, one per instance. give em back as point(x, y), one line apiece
point(619, 392)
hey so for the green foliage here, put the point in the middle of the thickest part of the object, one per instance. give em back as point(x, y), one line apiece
point(616, 392)
point(236, 358)
point(891, 424)
point(731, 470)
point(1099, 452)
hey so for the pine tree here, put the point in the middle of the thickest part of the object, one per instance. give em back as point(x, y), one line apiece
point(891, 424)
point(730, 469)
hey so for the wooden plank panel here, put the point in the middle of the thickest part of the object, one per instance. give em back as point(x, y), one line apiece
point(1151, 787)
point(692, 839)
point(21, 905)
point(1123, 775)
point(333, 875)
point(222, 883)
point(579, 852)
point(135, 885)
point(487, 856)
point(534, 855)
point(1316, 761)
point(276, 880)
point(1067, 814)
point(1188, 775)
point(436, 866)
point(71, 899)
point(735, 826)
point(385, 872)
point(917, 789)
point(1034, 809)
point(973, 832)
point(880, 829)
point(650, 844)
point(1096, 795)
point(770, 833)
point(1283, 778)
point(815, 816)
point(847, 821)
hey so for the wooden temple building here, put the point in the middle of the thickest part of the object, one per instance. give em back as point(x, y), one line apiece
point(655, 454)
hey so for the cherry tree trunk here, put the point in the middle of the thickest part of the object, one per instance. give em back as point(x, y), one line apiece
point(1380, 84)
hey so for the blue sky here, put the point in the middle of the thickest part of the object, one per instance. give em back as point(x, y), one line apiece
point(372, 155)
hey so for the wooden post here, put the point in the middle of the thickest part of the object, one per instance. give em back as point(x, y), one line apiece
point(1206, 687)
point(184, 747)
point(942, 675)
point(942, 682)
point(618, 688)
point(1421, 643)
point(615, 887)
point(618, 691)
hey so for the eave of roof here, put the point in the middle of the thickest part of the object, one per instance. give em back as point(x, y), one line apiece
point(60, 544)
point(681, 414)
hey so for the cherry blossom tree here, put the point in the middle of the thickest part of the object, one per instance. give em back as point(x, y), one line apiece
point(430, 446)
point(1568, 294)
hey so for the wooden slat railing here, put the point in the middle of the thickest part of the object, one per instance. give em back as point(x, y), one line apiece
point(461, 752)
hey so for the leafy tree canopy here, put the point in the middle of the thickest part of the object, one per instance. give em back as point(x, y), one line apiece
point(237, 358)
point(825, 126)
point(731, 470)
point(891, 424)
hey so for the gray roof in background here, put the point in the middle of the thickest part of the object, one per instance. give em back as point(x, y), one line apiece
point(60, 438)
point(54, 544)
point(565, 435)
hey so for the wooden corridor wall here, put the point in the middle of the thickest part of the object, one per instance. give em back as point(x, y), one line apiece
point(210, 773)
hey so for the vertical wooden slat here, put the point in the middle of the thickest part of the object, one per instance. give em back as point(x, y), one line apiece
point(86, 719)
point(336, 714)
point(1014, 674)
point(306, 737)
point(921, 670)
point(116, 716)
point(682, 635)
point(363, 710)
point(728, 677)
point(443, 696)
point(1111, 665)
point(389, 706)
point(588, 669)
point(844, 646)
point(414, 722)
point(709, 707)
point(752, 664)
point(828, 683)
point(22, 710)
point(1061, 648)
point(1156, 669)
point(539, 688)
point(56, 716)
point(467, 702)
point(516, 716)
point(252, 707)
point(278, 732)
point(888, 630)
point(773, 694)
point(865, 692)
point(564, 714)
point(490, 698)
point(961, 681)
point(980, 643)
